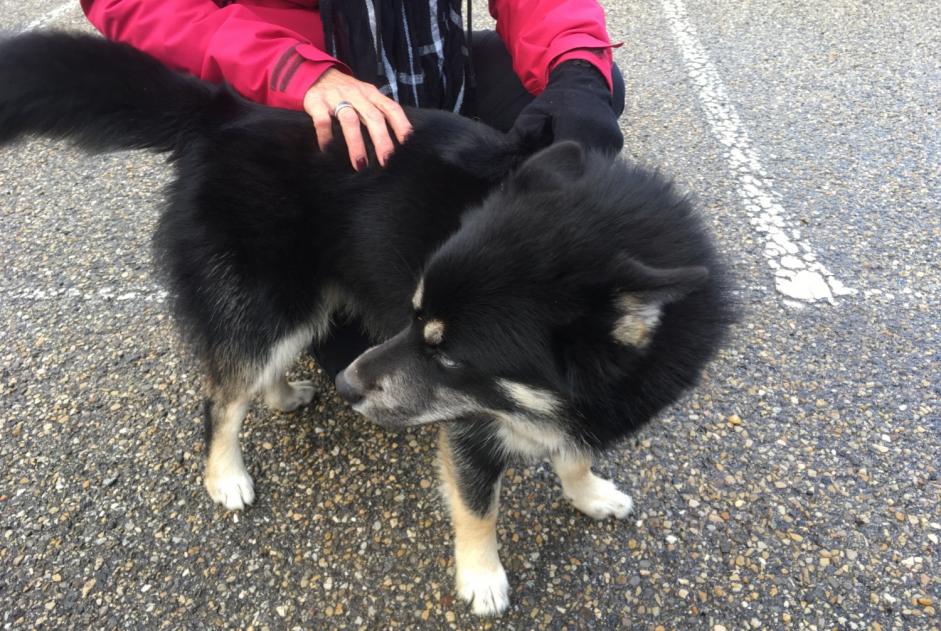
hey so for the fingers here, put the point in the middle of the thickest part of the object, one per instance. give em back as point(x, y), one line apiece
point(370, 108)
point(349, 123)
point(375, 122)
point(322, 116)
point(395, 115)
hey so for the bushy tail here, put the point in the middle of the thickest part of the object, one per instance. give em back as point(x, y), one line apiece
point(102, 95)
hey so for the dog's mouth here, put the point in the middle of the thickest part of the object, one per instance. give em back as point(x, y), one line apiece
point(396, 402)
point(364, 402)
point(384, 418)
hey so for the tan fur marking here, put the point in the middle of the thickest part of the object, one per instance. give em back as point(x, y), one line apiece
point(637, 325)
point(419, 294)
point(434, 332)
point(533, 399)
point(572, 469)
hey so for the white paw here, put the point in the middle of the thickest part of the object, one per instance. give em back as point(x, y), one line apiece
point(292, 395)
point(233, 489)
point(601, 499)
point(486, 590)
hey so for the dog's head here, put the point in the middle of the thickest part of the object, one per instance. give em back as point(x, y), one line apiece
point(548, 302)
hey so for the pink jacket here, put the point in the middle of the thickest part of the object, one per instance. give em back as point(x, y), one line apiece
point(271, 51)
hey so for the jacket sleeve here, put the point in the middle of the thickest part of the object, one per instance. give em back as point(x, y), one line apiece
point(542, 33)
point(260, 56)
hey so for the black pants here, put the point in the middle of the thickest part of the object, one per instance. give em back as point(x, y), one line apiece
point(499, 98)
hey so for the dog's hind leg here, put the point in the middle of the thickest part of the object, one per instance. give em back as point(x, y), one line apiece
point(596, 497)
point(470, 484)
point(226, 478)
point(287, 396)
point(280, 393)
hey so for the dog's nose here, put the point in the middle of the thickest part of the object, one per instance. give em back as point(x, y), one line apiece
point(350, 393)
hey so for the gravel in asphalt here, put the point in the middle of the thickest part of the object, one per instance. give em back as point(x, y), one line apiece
point(797, 488)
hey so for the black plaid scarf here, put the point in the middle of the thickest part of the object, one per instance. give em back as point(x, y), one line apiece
point(418, 55)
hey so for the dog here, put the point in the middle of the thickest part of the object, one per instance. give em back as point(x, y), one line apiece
point(542, 306)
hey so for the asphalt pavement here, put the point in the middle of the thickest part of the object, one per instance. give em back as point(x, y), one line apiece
point(797, 488)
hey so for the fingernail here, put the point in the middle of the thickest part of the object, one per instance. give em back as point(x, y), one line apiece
point(361, 164)
point(386, 158)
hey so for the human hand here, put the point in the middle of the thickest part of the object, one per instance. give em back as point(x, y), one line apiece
point(576, 105)
point(368, 106)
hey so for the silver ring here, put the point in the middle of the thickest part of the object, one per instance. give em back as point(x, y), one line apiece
point(342, 105)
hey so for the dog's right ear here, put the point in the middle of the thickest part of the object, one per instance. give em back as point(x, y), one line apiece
point(642, 294)
point(554, 167)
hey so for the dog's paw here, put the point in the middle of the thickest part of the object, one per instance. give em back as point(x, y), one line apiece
point(486, 590)
point(233, 489)
point(601, 499)
point(291, 395)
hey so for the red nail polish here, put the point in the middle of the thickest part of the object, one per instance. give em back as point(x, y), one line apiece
point(361, 164)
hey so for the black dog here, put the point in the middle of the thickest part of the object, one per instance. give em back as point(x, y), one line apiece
point(543, 307)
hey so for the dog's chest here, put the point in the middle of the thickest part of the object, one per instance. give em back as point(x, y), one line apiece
point(530, 439)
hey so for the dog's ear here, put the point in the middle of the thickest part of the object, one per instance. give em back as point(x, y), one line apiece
point(641, 294)
point(552, 168)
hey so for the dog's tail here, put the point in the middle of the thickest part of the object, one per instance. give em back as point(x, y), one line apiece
point(102, 95)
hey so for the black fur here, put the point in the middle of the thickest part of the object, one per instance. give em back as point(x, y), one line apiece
point(102, 96)
point(258, 219)
point(207, 425)
point(545, 255)
point(479, 461)
point(531, 265)
point(527, 291)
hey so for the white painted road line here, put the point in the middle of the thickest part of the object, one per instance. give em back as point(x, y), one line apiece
point(51, 16)
point(103, 294)
point(798, 275)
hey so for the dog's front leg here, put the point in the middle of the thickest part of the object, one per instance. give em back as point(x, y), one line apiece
point(596, 497)
point(470, 481)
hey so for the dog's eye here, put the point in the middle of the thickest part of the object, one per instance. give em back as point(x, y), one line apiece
point(446, 361)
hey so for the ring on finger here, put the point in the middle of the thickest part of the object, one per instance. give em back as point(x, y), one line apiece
point(342, 105)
